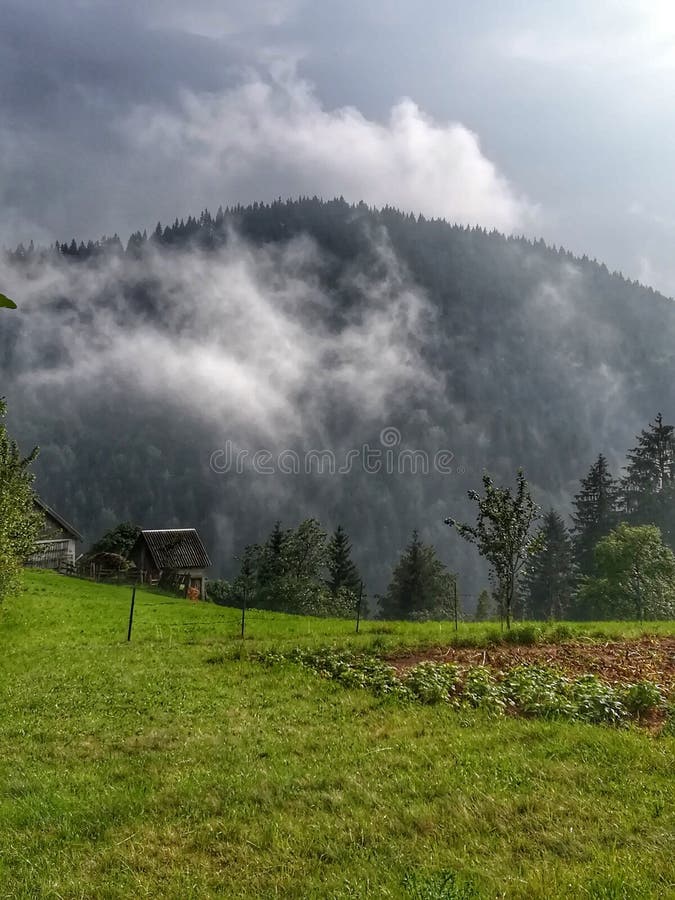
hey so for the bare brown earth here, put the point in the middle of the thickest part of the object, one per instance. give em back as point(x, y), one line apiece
point(616, 662)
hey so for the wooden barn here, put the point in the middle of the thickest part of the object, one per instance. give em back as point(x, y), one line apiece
point(56, 543)
point(171, 555)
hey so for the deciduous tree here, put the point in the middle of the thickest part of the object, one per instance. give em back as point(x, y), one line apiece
point(119, 539)
point(502, 534)
point(635, 574)
point(20, 521)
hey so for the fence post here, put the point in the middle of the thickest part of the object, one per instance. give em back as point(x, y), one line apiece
point(358, 608)
point(243, 612)
point(131, 611)
point(456, 605)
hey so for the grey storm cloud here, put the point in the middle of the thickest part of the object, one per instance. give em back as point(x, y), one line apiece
point(531, 118)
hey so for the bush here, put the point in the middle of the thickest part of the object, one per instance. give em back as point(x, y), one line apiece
point(560, 633)
point(221, 592)
point(526, 635)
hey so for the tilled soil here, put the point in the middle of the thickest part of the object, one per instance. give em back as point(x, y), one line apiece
point(616, 662)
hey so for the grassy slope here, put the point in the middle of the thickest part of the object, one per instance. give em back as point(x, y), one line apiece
point(140, 769)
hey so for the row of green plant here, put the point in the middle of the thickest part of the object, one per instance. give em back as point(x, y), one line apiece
point(529, 690)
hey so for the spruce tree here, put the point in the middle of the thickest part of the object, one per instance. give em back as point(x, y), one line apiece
point(342, 571)
point(420, 587)
point(649, 483)
point(549, 581)
point(483, 606)
point(270, 563)
point(595, 513)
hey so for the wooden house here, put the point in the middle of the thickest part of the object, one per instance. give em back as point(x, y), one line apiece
point(56, 542)
point(171, 555)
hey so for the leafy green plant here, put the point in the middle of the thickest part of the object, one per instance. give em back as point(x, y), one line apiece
point(597, 702)
point(643, 697)
point(6, 302)
point(481, 690)
point(538, 691)
point(432, 682)
point(668, 729)
point(352, 670)
point(530, 690)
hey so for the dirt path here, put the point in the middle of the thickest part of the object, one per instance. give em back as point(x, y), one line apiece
point(650, 658)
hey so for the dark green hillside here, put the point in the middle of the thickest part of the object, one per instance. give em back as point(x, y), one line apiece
point(127, 366)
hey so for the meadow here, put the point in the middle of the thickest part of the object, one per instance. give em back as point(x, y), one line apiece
point(177, 765)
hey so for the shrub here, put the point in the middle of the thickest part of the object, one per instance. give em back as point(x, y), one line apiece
point(220, 592)
point(561, 632)
point(526, 635)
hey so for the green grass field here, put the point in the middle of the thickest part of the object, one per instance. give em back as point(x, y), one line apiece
point(142, 769)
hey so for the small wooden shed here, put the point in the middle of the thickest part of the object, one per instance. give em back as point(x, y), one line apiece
point(171, 554)
point(56, 542)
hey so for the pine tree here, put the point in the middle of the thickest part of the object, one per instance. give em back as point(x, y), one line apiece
point(595, 513)
point(275, 549)
point(649, 483)
point(270, 564)
point(420, 587)
point(483, 606)
point(549, 581)
point(342, 571)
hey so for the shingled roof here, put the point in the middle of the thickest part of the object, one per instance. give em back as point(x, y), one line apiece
point(176, 548)
point(55, 517)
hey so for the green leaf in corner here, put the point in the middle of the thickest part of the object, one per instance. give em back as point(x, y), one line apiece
point(6, 302)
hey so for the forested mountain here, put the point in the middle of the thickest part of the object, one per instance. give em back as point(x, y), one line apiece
point(320, 326)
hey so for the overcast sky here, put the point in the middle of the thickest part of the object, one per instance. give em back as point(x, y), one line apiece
point(554, 120)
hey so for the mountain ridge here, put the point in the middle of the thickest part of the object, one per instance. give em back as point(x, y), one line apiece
point(308, 324)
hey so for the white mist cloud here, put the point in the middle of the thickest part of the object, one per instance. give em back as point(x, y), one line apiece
point(276, 132)
point(244, 340)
